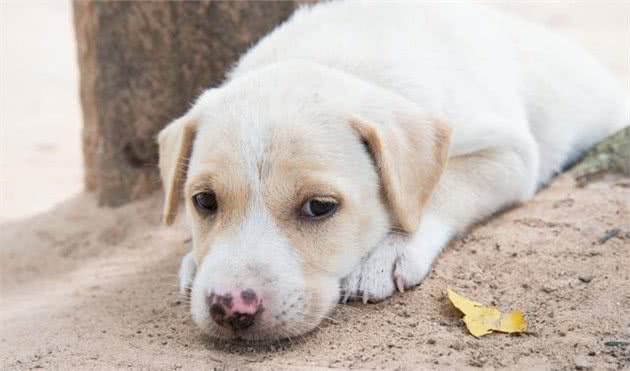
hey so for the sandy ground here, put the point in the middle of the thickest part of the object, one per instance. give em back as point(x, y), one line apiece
point(89, 288)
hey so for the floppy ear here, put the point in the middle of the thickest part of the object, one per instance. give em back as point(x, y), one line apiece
point(410, 153)
point(175, 142)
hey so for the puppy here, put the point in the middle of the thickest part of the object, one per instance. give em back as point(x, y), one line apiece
point(352, 143)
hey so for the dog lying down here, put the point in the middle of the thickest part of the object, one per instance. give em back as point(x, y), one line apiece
point(354, 141)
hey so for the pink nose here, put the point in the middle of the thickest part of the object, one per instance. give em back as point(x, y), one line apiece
point(236, 309)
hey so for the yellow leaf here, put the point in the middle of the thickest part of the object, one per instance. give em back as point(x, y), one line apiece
point(481, 320)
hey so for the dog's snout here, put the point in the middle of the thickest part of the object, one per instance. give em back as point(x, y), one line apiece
point(235, 309)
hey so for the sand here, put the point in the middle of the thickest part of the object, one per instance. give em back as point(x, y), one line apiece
point(89, 288)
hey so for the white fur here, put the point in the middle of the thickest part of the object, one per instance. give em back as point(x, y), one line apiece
point(187, 270)
point(271, 267)
point(521, 102)
point(397, 262)
point(493, 76)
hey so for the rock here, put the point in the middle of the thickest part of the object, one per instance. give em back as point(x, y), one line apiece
point(615, 343)
point(582, 363)
point(458, 346)
point(608, 235)
point(612, 155)
point(586, 278)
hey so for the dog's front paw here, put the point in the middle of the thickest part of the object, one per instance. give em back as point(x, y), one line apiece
point(394, 264)
point(187, 270)
point(373, 280)
point(410, 269)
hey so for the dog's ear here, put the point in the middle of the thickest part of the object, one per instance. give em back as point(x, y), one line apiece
point(409, 152)
point(175, 142)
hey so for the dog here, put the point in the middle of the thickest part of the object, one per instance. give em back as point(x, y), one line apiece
point(352, 143)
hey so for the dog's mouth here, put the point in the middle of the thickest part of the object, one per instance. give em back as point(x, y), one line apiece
point(228, 319)
point(238, 322)
point(258, 333)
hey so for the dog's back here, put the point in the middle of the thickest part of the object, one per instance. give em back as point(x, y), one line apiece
point(466, 62)
point(572, 101)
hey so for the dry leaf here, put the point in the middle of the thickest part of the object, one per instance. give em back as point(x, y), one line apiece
point(481, 320)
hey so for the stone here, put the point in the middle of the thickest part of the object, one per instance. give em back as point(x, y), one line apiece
point(582, 363)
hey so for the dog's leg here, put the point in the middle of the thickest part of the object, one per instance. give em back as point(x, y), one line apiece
point(473, 187)
point(394, 262)
point(187, 271)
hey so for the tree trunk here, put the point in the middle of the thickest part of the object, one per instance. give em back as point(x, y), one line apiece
point(142, 64)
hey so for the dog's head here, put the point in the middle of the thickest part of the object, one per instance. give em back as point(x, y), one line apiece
point(290, 175)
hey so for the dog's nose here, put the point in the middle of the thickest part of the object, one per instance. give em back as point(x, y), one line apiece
point(236, 309)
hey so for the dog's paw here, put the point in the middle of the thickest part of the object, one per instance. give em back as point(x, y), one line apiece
point(410, 269)
point(415, 261)
point(187, 270)
point(393, 265)
point(373, 280)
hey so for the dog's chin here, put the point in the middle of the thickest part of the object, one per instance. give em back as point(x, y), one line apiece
point(294, 313)
point(267, 329)
point(259, 333)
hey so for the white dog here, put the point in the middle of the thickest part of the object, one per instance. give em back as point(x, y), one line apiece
point(352, 143)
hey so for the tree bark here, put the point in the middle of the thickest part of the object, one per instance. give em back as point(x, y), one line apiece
point(142, 64)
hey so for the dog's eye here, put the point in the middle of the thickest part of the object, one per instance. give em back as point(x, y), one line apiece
point(205, 202)
point(317, 208)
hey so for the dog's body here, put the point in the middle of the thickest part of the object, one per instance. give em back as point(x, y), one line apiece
point(287, 128)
